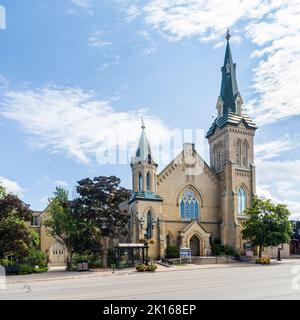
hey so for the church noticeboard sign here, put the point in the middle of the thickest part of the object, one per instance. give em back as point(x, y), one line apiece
point(185, 253)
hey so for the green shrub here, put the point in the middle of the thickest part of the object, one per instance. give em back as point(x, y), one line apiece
point(40, 270)
point(230, 251)
point(218, 249)
point(7, 263)
point(151, 267)
point(263, 260)
point(25, 269)
point(141, 267)
point(36, 258)
point(172, 252)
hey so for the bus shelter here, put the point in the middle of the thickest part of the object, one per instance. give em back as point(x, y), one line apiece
point(127, 255)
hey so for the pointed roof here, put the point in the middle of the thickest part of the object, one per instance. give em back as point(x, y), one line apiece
point(143, 151)
point(229, 96)
point(229, 88)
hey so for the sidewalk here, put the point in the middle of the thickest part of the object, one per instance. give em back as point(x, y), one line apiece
point(61, 274)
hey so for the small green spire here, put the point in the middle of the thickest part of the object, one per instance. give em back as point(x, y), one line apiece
point(143, 151)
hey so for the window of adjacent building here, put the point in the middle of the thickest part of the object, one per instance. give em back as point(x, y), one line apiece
point(140, 182)
point(148, 181)
point(35, 221)
point(242, 201)
point(189, 206)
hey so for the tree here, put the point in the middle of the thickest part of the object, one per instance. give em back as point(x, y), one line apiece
point(76, 233)
point(15, 235)
point(268, 224)
point(100, 201)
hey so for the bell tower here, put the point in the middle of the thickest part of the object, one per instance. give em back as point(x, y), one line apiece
point(145, 204)
point(232, 154)
point(144, 168)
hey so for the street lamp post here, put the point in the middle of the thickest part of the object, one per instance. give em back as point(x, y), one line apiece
point(148, 231)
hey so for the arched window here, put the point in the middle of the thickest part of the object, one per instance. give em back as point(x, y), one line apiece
point(189, 206)
point(219, 157)
point(169, 240)
point(149, 225)
point(245, 148)
point(242, 201)
point(148, 181)
point(238, 151)
point(222, 156)
point(140, 182)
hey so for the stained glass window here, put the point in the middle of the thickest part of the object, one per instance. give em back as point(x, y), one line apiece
point(241, 201)
point(140, 182)
point(189, 206)
point(149, 225)
point(148, 180)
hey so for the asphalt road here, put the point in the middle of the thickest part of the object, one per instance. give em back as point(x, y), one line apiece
point(239, 282)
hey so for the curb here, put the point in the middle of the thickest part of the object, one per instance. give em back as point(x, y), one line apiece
point(93, 274)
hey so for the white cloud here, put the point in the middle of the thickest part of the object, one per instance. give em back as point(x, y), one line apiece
point(206, 20)
point(73, 122)
point(274, 148)
point(61, 184)
point(12, 186)
point(95, 40)
point(82, 3)
point(132, 12)
point(272, 25)
point(151, 48)
point(279, 181)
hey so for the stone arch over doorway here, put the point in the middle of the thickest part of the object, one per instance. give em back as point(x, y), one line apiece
point(195, 246)
point(195, 235)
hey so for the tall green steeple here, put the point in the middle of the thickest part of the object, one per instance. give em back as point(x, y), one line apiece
point(230, 101)
point(229, 88)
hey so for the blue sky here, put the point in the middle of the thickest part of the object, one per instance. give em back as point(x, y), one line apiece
point(73, 73)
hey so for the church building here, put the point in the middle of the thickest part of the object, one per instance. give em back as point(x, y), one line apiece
point(189, 201)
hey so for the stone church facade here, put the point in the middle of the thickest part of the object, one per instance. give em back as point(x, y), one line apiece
point(189, 202)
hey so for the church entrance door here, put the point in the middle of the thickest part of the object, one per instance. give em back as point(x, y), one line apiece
point(195, 246)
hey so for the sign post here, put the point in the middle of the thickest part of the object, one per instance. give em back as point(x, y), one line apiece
point(185, 253)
